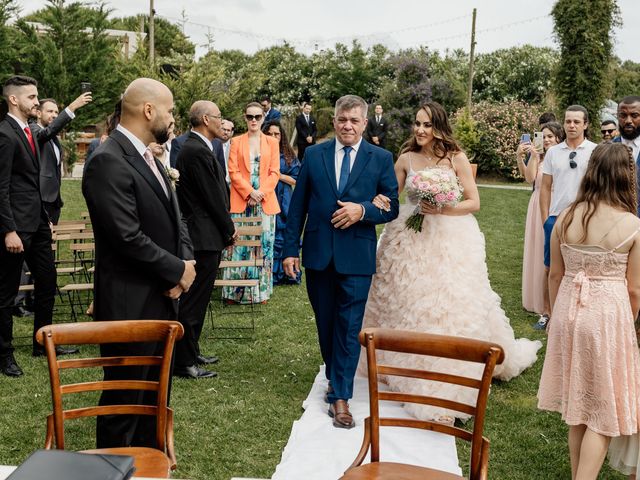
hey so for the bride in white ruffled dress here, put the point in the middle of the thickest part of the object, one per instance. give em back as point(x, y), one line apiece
point(436, 280)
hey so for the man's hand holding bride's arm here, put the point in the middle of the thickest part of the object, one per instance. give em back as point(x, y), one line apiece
point(291, 266)
point(382, 202)
point(349, 214)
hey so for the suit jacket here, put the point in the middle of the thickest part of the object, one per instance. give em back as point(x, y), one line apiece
point(21, 207)
point(240, 173)
point(305, 129)
point(139, 234)
point(619, 140)
point(202, 192)
point(272, 115)
point(375, 129)
point(178, 142)
point(50, 174)
point(353, 250)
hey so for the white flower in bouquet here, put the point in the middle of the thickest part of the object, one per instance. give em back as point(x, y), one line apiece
point(436, 186)
point(173, 175)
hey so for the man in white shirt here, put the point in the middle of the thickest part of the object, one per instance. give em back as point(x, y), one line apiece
point(629, 126)
point(227, 133)
point(564, 166)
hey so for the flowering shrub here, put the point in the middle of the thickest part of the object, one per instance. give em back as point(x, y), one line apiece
point(492, 134)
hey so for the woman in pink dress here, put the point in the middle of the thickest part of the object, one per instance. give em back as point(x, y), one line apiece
point(591, 372)
point(535, 292)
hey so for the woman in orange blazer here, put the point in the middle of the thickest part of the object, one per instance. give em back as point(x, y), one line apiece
point(254, 170)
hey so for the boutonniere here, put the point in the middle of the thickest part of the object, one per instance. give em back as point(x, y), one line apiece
point(173, 175)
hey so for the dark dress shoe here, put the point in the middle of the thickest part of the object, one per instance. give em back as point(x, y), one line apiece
point(204, 360)
point(193, 371)
point(20, 311)
point(342, 418)
point(9, 367)
point(39, 352)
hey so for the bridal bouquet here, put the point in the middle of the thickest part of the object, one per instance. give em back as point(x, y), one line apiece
point(435, 186)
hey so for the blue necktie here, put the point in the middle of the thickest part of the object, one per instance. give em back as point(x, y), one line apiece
point(344, 170)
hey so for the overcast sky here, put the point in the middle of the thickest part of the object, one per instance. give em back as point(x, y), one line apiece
point(249, 25)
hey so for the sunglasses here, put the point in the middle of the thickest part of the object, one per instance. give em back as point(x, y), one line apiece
point(250, 118)
point(607, 132)
point(572, 162)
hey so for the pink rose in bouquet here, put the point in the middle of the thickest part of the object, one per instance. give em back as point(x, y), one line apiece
point(436, 186)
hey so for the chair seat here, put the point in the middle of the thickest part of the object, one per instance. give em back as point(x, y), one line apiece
point(396, 471)
point(149, 462)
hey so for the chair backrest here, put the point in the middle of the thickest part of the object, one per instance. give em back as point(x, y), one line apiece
point(104, 332)
point(456, 348)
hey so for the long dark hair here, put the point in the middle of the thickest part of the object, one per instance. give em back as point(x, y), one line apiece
point(610, 178)
point(285, 148)
point(555, 128)
point(443, 143)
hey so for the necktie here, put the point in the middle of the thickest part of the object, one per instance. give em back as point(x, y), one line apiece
point(345, 169)
point(306, 117)
point(27, 132)
point(377, 119)
point(148, 157)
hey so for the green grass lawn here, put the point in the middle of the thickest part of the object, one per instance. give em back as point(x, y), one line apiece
point(238, 423)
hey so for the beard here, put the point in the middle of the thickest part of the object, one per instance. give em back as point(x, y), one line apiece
point(28, 112)
point(635, 133)
point(161, 133)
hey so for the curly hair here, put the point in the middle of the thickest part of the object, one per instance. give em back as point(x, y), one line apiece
point(444, 143)
point(610, 178)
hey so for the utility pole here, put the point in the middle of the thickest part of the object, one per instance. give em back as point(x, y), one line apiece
point(152, 46)
point(471, 59)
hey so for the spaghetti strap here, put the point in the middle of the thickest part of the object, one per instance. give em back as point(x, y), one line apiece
point(635, 232)
point(411, 170)
point(610, 230)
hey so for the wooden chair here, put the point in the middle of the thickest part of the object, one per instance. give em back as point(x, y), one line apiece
point(458, 348)
point(249, 235)
point(149, 462)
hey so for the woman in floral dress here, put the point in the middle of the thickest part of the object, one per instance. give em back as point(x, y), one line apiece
point(254, 170)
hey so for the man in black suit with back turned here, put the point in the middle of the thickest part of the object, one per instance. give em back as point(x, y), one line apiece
point(202, 192)
point(306, 130)
point(50, 123)
point(377, 127)
point(142, 246)
point(24, 224)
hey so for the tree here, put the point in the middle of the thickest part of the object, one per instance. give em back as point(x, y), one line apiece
point(517, 73)
point(584, 31)
point(8, 39)
point(169, 41)
point(625, 79)
point(75, 48)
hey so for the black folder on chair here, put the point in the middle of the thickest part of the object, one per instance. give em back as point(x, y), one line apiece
point(63, 465)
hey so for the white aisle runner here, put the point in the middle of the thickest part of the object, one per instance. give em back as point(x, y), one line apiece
point(316, 450)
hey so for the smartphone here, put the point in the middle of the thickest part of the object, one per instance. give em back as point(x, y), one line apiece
point(85, 87)
point(538, 141)
point(525, 138)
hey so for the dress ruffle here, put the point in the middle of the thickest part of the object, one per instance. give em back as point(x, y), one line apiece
point(437, 281)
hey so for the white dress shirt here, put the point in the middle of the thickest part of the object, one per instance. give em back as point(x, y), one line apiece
point(633, 145)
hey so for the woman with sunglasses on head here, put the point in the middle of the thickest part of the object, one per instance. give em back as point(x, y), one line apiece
point(254, 170)
point(436, 280)
point(535, 291)
point(591, 372)
point(289, 170)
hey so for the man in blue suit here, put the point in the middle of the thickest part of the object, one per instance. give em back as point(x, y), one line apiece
point(333, 194)
point(629, 127)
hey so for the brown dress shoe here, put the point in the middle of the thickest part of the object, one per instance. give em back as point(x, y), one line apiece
point(342, 418)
